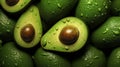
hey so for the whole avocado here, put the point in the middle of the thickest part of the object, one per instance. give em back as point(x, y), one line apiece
point(93, 12)
point(108, 34)
point(53, 10)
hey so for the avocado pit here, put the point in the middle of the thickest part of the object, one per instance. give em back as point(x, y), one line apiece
point(11, 2)
point(27, 33)
point(69, 35)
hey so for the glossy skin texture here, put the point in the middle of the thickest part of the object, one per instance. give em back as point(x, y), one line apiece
point(92, 11)
point(108, 34)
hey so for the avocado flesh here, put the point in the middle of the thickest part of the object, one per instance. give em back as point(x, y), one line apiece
point(51, 41)
point(13, 9)
point(30, 17)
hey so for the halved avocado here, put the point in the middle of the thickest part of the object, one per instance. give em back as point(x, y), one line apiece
point(13, 6)
point(28, 29)
point(67, 35)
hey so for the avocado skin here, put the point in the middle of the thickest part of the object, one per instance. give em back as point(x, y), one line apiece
point(93, 12)
point(45, 58)
point(12, 56)
point(115, 7)
point(89, 57)
point(108, 34)
point(6, 27)
point(53, 10)
point(113, 60)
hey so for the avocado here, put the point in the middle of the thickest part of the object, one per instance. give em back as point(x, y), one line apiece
point(67, 35)
point(54, 10)
point(115, 7)
point(91, 57)
point(43, 58)
point(14, 6)
point(0, 43)
point(28, 29)
point(11, 56)
point(7, 25)
point(93, 12)
point(114, 58)
point(108, 34)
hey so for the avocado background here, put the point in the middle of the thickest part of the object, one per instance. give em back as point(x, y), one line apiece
point(101, 49)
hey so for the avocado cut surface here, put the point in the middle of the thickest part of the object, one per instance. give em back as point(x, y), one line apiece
point(28, 29)
point(13, 6)
point(67, 35)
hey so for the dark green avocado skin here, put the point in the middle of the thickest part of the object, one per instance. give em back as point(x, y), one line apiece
point(93, 12)
point(53, 10)
point(114, 60)
point(91, 57)
point(6, 27)
point(108, 34)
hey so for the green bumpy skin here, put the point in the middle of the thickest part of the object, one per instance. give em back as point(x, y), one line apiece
point(7, 25)
point(92, 57)
point(113, 60)
point(31, 16)
point(45, 58)
point(108, 34)
point(13, 9)
point(53, 10)
point(92, 12)
point(115, 7)
point(51, 41)
point(11, 56)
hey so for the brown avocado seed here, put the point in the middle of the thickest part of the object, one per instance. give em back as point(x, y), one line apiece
point(27, 33)
point(69, 35)
point(11, 2)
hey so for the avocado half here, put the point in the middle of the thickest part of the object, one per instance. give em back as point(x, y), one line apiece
point(67, 35)
point(28, 29)
point(13, 6)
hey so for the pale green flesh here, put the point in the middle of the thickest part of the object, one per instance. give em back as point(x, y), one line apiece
point(50, 40)
point(29, 17)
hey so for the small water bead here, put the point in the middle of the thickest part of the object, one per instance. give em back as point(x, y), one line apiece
point(12, 2)
point(27, 33)
point(69, 35)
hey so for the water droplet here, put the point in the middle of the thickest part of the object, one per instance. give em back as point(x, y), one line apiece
point(53, 12)
point(104, 39)
point(31, 10)
point(59, 6)
point(106, 30)
point(81, 14)
point(96, 3)
point(95, 57)
point(56, 29)
point(48, 2)
point(68, 20)
point(66, 48)
point(86, 59)
point(8, 30)
point(106, 7)
point(16, 64)
point(89, 2)
point(44, 43)
point(3, 62)
point(116, 32)
point(44, 54)
point(95, 15)
point(99, 9)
